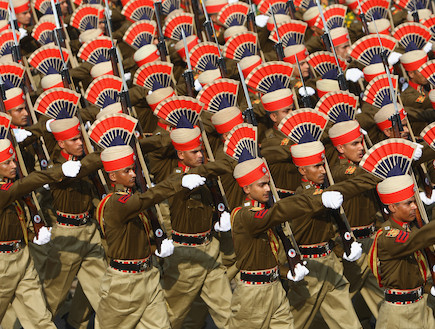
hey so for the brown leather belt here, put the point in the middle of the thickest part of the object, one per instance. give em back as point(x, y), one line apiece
point(315, 250)
point(72, 219)
point(8, 247)
point(362, 232)
point(191, 239)
point(131, 266)
point(403, 297)
point(260, 277)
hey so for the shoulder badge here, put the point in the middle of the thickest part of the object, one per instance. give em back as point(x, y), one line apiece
point(318, 191)
point(260, 214)
point(255, 209)
point(402, 237)
point(6, 186)
point(392, 233)
point(124, 198)
point(420, 99)
point(284, 141)
point(256, 101)
point(298, 85)
point(350, 170)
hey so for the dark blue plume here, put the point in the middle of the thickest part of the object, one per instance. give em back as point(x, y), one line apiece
point(210, 66)
point(342, 117)
point(386, 100)
point(51, 70)
point(224, 103)
point(108, 101)
point(246, 52)
point(395, 171)
point(63, 114)
point(8, 84)
point(276, 85)
point(245, 156)
point(307, 137)
point(184, 123)
point(376, 59)
point(331, 74)
point(411, 46)
point(117, 141)
point(156, 85)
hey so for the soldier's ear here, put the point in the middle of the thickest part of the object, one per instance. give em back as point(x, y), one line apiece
point(112, 176)
point(246, 189)
point(61, 144)
point(180, 155)
point(302, 171)
point(392, 208)
point(340, 149)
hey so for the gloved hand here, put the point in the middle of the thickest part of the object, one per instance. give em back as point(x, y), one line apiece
point(21, 134)
point(127, 76)
point(47, 125)
point(88, 125)
point(418, 152)
point(46, 186)
point(192, 181)
point(432, 291)
point(197, 85)
point(44, 236)
point(23, 33)
point(426, 200)
point(355, 252)
point(261, 20)
point(354, 74)
point(332, 199)
point(300, 272)
point(363, 131)
point(427, 47)
point(394, 58)
point(310, 91)
point(71, 168)
point(166, 249)
point(224, 224)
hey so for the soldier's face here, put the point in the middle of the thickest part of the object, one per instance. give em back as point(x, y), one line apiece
point(192, 158)
point(315, 173)
point(305, 69)
point(417, 77)
point(73, 146)
point(8, 168)
point(24, 17)
point(258, 190)
point(352, 151)
point(277, 116)
point(342, 50)
point(64, 7)
point(19, 115)
point(125, 177)
point(404, 211)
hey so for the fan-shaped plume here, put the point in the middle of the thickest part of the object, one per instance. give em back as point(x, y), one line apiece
point(364, 49)
point(89, 2)
point(242, 136)
point(211, 94)
point(169, 6)
point(4, 10)
point(334, 16)
point(291, 33)
point(412, 32)
point(138, 10)
point(304, 4)
point(263, 76)
point(58, 103)
point(12, 74)
point(96, 51)
point(112, 130)
point(267, 7)
point(375, 9)
point(428, 134)
point(203, 53)
point(239, 44)
point(176, 23)
point(171, 109)
point(86, 17)
point(7, 42)
point(43, 6)
point(140, 34)
point(410, 5)
point(378, 89)
point(155, 72)
point(428, 71)
point(47, 59)
point(324, 61)
point(5, 123)
point(393, 153)
point(430, 24)
point(297, 123)
point(335, 102)
point(43, 32)
point(104, 90)
point(233, 14)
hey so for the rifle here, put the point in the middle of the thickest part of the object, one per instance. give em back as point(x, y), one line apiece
point(161, 46)
point(291, 8)
point(211, 36)
point(278, 46)
point(305, 99)
point(143, 179)
point(340, 77)
point(188, 74)
point(198, 25)
point(250, 18)
point(363, 19)
point(249, 112)
point(114, 59)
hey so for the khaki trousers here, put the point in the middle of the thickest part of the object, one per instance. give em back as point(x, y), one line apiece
point(19, 285)
point(132, 300)
point(260, 306)
point(413, 316)
point(190, 271)
point(324, 289)
point(75, 251)
point(362, 280)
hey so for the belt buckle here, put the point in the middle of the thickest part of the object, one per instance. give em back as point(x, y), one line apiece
point(420, 292)
point(143, 265)
point(16, 246)
point(273, 276)
point(84, 220)
point(206, 239)
point(326, 246)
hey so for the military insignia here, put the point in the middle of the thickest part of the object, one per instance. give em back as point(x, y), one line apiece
point(285, 141)
point(255, 209)
point(6, 186)
point(256, 101)
point(124, 198)
point(318, 191)
point(393, 233)
point(387, 228)
point(298, 84)
point(420, 99)
point(350, 170)
point(260, 214)
point(402, 237)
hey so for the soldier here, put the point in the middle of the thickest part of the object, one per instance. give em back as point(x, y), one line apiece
point(19, 281)
point(130, 291)
point(397, 260)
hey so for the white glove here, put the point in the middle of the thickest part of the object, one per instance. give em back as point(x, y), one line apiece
point(426, 200)
point(363, 131)
point(428, 47)
point(418, 152)
point(224, 224)
point(261, 20)
point(233, 1)
point(47, 125)
point(432, 291)
point(300, 272)
point(88, 125)
point(46, 186)
point(358, 111)
point(332, 199)
point(71, 168)
point(192, 181)
point(21, 134)
point(23, 33)
point(310, 91)
point(127, 76)
point(354, 74)
point(166, 249)
point(355, 252)
point(197, 85)
point(394, 58)
point(44, 236)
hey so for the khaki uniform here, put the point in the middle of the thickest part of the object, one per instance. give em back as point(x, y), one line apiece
point(132, 300)
point(401, 266)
